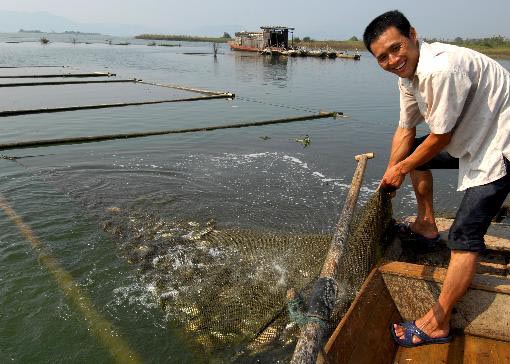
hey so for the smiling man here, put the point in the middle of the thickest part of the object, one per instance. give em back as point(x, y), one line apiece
point(464, 98)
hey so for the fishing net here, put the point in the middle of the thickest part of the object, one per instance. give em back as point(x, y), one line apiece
point(227, 288)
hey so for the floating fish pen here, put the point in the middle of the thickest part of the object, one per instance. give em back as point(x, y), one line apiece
point(60, 89)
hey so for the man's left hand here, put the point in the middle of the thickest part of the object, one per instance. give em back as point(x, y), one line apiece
point(393, 178)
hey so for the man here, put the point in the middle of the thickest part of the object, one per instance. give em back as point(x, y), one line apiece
point(464, 98)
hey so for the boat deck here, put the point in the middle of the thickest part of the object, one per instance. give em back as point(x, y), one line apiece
point(464, 349)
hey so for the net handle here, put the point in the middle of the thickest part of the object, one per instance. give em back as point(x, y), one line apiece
point(325, 289)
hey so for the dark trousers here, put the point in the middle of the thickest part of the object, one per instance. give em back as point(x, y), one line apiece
point(478, 207)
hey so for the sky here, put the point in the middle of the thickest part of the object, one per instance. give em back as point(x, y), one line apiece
point(319, 19)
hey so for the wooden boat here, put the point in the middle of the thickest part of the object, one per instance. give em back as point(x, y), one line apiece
point(355, 57)
point(237, 47)
point(400, 291)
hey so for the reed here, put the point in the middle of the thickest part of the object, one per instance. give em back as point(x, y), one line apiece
point(335, 44)
point(495, 47)
point(182, 38)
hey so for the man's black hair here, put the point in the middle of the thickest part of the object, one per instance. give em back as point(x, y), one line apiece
point(384, 21)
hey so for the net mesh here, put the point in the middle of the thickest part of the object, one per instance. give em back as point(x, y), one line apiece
point(227, 288)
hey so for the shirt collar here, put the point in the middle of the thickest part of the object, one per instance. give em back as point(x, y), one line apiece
point(426, 55)
point(424, 59)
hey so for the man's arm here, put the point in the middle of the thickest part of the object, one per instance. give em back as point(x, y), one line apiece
point(401, 145)
point(397, 169)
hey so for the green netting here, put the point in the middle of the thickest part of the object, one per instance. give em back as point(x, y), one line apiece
point(227, 287)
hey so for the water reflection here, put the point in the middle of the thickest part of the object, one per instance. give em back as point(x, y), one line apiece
point(268, 69)
point(275, 70)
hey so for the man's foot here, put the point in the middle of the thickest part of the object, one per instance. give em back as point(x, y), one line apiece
point(417, 241)
point(423, 228)
point(428, 325)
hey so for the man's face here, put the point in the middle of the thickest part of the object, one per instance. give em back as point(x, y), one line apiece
point(396, 53)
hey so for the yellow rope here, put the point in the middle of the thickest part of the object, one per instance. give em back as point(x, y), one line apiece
point(104, 330)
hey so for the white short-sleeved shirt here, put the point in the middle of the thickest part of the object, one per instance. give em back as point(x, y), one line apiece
point(458, 89)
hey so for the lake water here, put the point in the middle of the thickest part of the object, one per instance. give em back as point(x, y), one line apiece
point(237, 177)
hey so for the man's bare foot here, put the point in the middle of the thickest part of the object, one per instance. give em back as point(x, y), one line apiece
point(427, 229)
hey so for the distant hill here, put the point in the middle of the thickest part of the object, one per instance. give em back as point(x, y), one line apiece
point(12, 21)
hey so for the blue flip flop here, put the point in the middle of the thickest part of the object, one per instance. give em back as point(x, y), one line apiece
point(412, 330)
point(408, 236)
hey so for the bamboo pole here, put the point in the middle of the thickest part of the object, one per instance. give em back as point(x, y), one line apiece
point(6, 113)
point(99, 138)
point(51, 83)
point(325, 290)
point(106, 333)
point(35, 66)
point(77, 75)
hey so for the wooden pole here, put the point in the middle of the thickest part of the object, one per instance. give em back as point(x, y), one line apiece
point(325, 290)
point(99, 138)
point(104, 106)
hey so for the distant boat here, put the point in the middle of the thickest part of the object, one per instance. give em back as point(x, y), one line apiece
point(274, 41)
point(355, 57)
point(275, 38)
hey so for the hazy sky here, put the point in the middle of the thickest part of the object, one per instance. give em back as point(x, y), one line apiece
point(320, 18)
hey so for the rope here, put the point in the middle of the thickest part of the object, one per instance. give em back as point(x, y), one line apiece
point(99, 138)
point(296, 314)
point(299, 108)
point(178, 87)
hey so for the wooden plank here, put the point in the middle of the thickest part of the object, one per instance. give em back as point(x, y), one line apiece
point(492, 268)
point(486, 351)
point(362, 336)
point(434, 274)
point(432, 354)
point(462, 350)
point(483, 311)
point(497, 237)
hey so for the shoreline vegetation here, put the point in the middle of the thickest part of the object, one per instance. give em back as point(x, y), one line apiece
point(74, 32)
point(495, 47)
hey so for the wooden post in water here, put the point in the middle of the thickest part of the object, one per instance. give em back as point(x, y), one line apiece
point(325, 289)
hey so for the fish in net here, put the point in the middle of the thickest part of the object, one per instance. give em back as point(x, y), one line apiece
point(227, 288)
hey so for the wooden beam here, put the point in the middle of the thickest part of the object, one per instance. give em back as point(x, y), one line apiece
point(464, 349)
